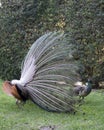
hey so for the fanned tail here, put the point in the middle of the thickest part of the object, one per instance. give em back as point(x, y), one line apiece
point(48, 73)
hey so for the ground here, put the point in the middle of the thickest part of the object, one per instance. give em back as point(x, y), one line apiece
point(89, 117)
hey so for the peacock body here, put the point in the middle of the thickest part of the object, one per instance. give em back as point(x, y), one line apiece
point(48, 74)
point(83, 90)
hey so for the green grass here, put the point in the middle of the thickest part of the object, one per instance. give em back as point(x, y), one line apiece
point(31, 117)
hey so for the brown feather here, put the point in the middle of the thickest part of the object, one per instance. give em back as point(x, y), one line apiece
point(11, 90)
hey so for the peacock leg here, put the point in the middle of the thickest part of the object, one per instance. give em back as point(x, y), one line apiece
point(20, 104)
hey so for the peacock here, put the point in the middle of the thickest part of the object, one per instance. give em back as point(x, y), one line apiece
point(48, 75)
point(82, 90)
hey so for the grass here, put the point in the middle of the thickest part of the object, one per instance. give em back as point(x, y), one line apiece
point(31, 117)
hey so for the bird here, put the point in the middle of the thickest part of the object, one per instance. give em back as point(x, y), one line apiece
point(83, 90)
point(48, 74)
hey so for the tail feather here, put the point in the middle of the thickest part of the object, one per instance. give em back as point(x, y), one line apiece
point(48, 65)
point(43, 102)
point(50, 100)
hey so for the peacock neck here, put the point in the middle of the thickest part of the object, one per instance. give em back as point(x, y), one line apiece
point(89, 85)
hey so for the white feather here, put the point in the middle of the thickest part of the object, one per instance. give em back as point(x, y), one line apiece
point(28, 66)
point(15, 81)
point(78, 83)
point(27, 72)
point(39, 55)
